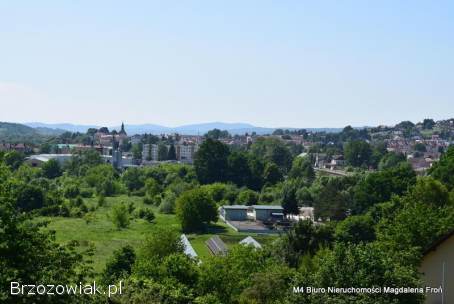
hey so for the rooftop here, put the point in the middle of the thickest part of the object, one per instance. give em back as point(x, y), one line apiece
point(188, 249)
point(235, 207)
point(251, 241)
point(268, 207)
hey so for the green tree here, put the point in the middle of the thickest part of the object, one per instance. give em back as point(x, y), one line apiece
point(51, 169)
point(356, 229)
point(45, 148)
point(119, 265)
point(29, 253)
point(443, 169)
point(390, 160)
point(172, 154)
point(133, 178)
point(152, 187)
point(357, 153)
point(421, 217)
point(217, 134)
point(364, 265)
point(13, 159)
point(159, 243)
point(211, 164)
point(179, 267)
point(304, 238)
point(227, 276)
point(302, 168)
point(288, 200)
point(428, 124)
point(331, 199)
point(420, 147)
point(247, 197)
point(380, 186)
point(272, 174)
point(162, 152)
point(195, 209)
point(274, 150)
point(29, 197)
point(137, 151)
point(238, 168)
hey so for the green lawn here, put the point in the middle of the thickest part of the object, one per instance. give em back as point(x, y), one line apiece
point(105, 238)
point(103, 234)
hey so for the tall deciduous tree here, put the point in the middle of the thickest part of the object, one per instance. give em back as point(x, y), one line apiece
point(357, 153)
point(195, 209)
point(172, 154)
point(211, 164)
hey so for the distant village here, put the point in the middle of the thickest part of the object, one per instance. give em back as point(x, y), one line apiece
point(421, 144)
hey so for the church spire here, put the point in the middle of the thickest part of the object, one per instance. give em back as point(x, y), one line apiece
point(122, 131)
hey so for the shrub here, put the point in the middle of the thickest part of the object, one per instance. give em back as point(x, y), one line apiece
point(168, 203)
point(101, 200)
point(146, 214)
point(120, 216)
point(71, 191)
point(86, 193)
point(147, 200)
point(89, 217)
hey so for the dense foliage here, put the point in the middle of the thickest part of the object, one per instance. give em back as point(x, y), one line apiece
point(374, 225)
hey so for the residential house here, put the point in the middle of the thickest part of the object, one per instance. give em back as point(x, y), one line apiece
point(437, 268)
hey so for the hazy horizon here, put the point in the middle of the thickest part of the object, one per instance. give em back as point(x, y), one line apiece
point(283, 64)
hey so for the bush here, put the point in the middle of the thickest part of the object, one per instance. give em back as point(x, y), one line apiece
point(247, 197)
point(146, 214)
point(147, 200)
point(86, 193)
point(120, 216)
point(89, 217)
point(131, 207)
point(71, 191)
point(168, 203)
point(101, 200)
point(75, 212)
point(139, 192)
point(77, 202)
point(119, 265)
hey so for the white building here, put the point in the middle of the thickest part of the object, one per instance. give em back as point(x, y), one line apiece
point(265, 212)
point(150, 152)
point(184, 152)
point(233, 212)
point(39, 159)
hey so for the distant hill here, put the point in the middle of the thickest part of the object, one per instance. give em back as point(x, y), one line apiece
point(17, 133)
point(62, 127)
point(190, 129)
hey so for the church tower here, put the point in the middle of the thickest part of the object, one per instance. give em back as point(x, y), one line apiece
point(122, 130)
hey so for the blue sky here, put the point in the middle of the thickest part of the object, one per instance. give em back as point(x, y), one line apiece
point(269, 63)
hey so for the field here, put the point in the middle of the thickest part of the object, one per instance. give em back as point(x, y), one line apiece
point(105, 237)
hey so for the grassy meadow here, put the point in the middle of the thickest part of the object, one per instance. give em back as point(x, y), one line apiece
point(105, 237)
